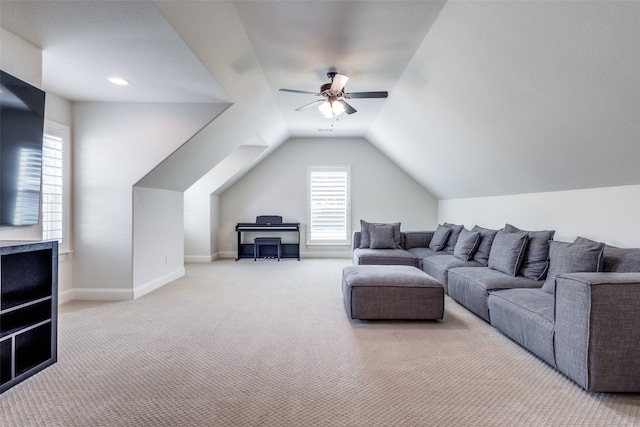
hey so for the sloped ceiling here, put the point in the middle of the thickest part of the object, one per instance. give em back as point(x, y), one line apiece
point(485, 98)
point(519, 97)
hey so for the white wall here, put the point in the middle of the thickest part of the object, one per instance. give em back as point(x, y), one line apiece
point(214, 222)
point(116, 144)
point(158, 244)
point(197, 227)
point(200, 210)
point(381, 192)
point(605, 214)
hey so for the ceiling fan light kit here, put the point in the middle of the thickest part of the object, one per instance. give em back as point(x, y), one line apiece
point(333, 103)
point(331, 109)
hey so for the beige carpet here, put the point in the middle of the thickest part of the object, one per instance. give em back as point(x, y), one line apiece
point(268, 344)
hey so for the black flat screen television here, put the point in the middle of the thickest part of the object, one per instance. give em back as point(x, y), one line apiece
point(21, 131)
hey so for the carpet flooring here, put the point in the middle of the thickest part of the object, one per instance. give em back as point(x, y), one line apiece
point(268, 343)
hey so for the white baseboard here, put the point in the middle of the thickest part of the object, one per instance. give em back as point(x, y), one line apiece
point(200, 258)
point(158, 283)
point(227, 254)
point(65, 296)
point(101, 294)
point(110, 294)
point(326, 254)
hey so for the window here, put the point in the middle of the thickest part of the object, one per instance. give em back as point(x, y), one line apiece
point(54, 209)
point(329, 205)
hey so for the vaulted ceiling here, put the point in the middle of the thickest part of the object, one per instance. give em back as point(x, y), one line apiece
point(485, 98)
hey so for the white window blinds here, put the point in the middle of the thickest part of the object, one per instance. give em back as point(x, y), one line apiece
point(52, 188)
point(329, 205)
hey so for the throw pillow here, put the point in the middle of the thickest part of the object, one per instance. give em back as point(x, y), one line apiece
point(466, 245)
point(507, 252)
point(381, 236)
point(571, 258)
point(536, 259)
point(365, 235)
point(453, 236)
point(584, 241)
point(439, 239)
point(484, 248)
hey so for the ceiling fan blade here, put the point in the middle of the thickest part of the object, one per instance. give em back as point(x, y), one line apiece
point(309, 105)
point(347, 108)
point(300, 91)
point(338, 83)
point(354, 95)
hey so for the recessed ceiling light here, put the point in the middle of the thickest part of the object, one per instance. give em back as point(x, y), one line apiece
point(118, 81)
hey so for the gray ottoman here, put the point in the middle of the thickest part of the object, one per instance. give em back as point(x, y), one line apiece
point(391, 292)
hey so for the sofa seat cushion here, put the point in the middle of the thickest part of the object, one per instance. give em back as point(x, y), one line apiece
point(470, 286)
point(526, 316)
point(439, 265)
point(384, 257)
point(422, 253)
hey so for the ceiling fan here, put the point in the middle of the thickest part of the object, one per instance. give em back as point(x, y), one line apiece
point(333, 96)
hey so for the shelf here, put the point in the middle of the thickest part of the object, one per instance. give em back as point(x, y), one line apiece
point(28, 309)
point(288, 250)
point(25, 277)
point(32, 348)
point(25, 316)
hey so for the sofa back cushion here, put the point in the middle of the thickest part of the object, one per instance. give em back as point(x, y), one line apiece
point(583, 257)
point(536, 258)
point(507, 251)
point(440, 237)
point(621, 260)
point(484, 247)
point(466, 245)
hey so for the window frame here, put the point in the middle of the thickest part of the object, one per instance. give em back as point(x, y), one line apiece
point(309, 235)
point(60, 132)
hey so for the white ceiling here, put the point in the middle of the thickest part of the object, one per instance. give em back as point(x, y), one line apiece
point(84, 42)
point(485, 98)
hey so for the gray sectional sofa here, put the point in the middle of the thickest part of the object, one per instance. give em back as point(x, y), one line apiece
point(574, 305)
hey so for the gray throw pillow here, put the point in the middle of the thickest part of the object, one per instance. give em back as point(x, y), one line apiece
point(453, 236)
point(572, 258)
point(365, 238)
point(365, 235)
point(381, 236)
point(484, 248)
point(536, 259)
point(507, 252)
point(466, 245)
point(439, 239)
point(584, 241)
